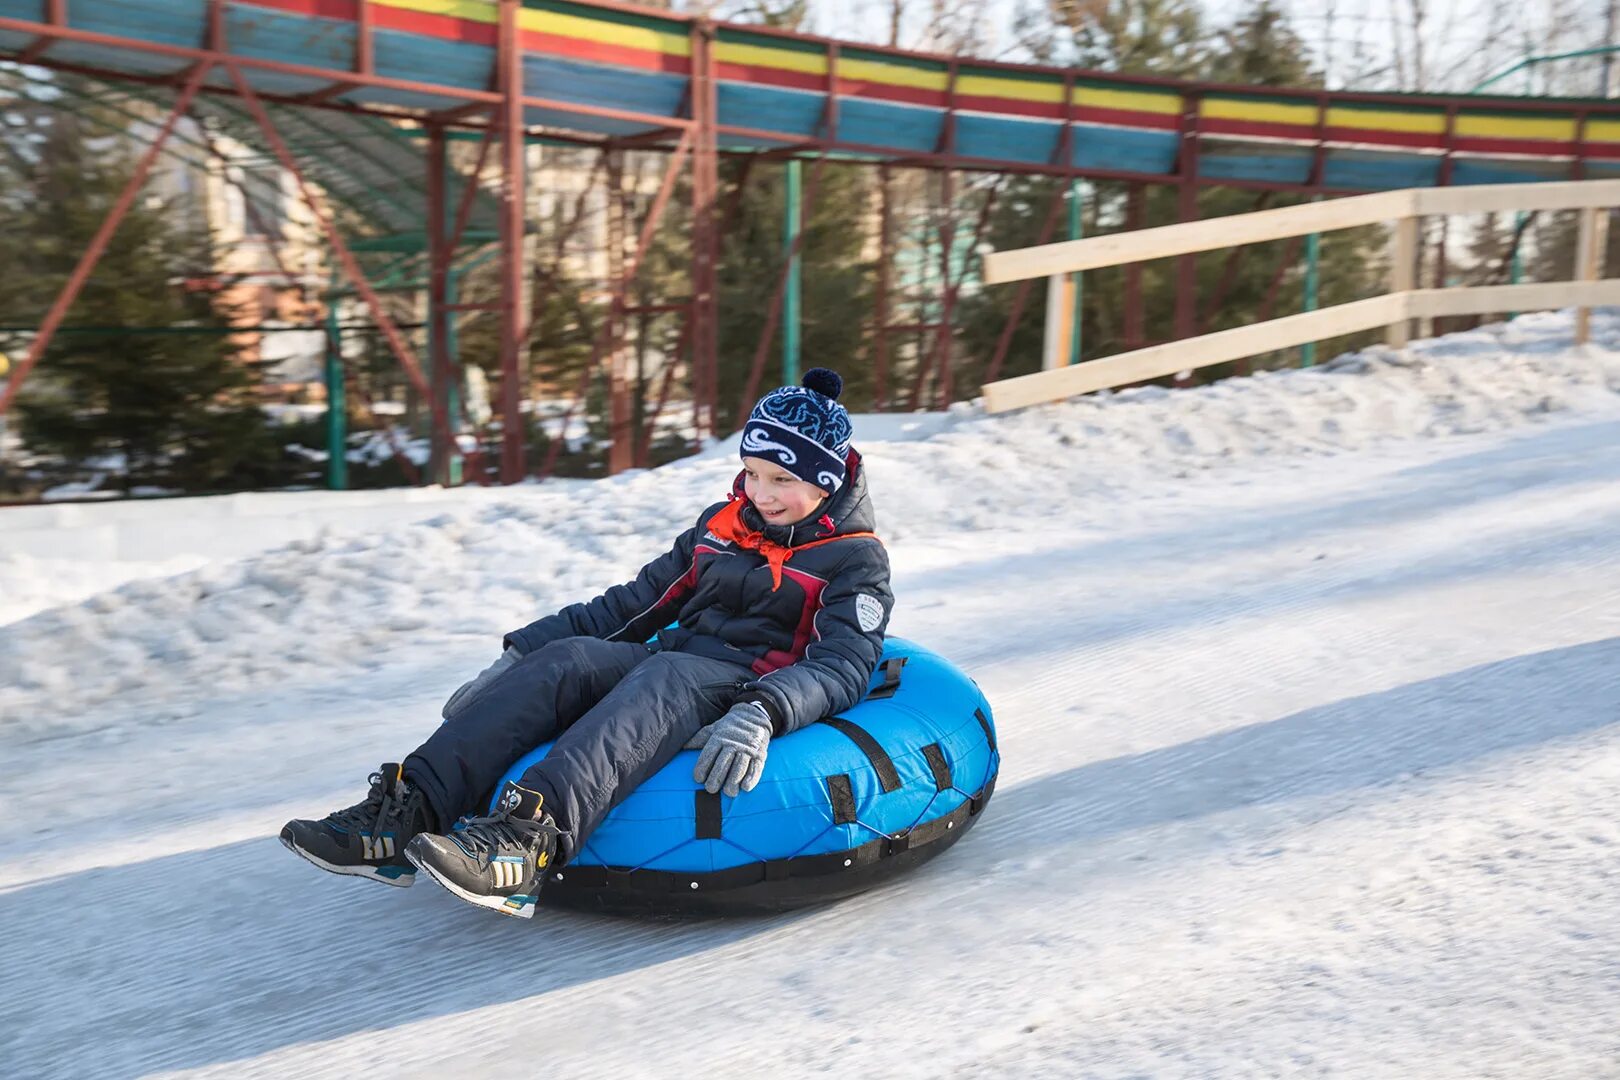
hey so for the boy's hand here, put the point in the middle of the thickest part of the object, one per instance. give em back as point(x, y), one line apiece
point(733, 750)
point(470, 690)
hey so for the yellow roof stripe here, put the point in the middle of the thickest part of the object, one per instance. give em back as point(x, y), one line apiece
point(472, 10)
point(1265, 112)
point(1127, 100)
point(1379, 120)
point(735, 52)
point(893, 74)
point(1513, 127)
point(1011, 89)
point(1603, 131)
point(612, 33)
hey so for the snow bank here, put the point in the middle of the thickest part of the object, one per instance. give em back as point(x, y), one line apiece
point(333, 601)
point(65, 553)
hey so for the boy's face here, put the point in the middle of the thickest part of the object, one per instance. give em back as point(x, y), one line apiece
point(779, 496)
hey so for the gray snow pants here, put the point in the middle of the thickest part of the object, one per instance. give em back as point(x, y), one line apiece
point(618, 710)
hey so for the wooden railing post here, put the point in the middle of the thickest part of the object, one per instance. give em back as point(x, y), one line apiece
point(1590, 242)
point(1055, 345)
point(1402, 274)
point(1393, 312)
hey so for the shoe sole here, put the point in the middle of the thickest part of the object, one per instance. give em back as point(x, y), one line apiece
point(402, 879)
point(503, 904)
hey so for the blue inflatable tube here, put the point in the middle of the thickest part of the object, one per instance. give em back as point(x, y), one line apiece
point(843, 804)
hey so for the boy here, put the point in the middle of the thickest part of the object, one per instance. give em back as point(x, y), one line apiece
point(780, 596)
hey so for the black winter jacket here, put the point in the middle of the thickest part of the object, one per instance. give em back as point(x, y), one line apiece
point(812, 641)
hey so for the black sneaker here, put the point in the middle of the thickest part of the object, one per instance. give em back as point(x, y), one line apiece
point(368, 839)
point(498, 861)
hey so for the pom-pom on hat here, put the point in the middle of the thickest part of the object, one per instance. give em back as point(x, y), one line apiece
point(803, 429)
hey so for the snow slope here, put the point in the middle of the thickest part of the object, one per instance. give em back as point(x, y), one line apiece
point(1307, 688)
point(340, 600)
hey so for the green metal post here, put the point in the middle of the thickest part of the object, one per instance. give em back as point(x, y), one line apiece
point(1313, 255)
point(337, 420)
point(1077, 230)
point(792, 213)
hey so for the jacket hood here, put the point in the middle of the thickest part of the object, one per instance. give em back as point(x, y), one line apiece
point(849, 511)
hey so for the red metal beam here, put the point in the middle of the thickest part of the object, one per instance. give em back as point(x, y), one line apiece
point(1159, 82)
point(655, 213)
point(947, 129)
point(470, 190)
point(1319, 151)
point(946, 374)
point(621, 448)
point(940, 356)
point(705, 238)
point(728, 216)
point(320, 74)
point(461, 112)
point(1290, 254)
point(176, 81)
point(607, 341)
point(880, 319)
point(1449, 143)
point(1135, 215)
point(647, 140)
point(1234, 260)
point(829, 115)
point(198, 56)
point(98, 243)
point(1021, 298)
point(509, 62)
point(1187, 210)
point(315, 73)
point(56, 14)
point(1063, 155)
point(644, 450)
point(573, 108)
point(413, 475)
point(351, 267)
point(364, 51)
point(249, 208)
point(325, 94)
point(978, 164)
point(1577, 166)
point(439, 256)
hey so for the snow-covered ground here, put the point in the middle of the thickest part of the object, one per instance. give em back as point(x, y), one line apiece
point(1307, 688)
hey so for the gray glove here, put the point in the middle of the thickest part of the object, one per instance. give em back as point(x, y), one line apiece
point(733, 749)
point(469, 691)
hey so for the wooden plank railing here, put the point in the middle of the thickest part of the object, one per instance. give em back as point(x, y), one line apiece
point(1394, 311)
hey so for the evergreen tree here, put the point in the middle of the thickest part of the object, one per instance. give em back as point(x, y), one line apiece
point(1258, 48)
point(835, 281)
point(174, 409)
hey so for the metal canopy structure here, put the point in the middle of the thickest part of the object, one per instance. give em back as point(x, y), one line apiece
point(318, 80)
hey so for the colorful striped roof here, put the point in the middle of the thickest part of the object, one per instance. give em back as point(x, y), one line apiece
point(632, 67)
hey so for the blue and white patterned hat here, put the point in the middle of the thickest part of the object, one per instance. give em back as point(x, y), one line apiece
point(803, 429)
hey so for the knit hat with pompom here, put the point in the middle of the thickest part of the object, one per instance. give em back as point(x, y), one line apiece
point(803, 429)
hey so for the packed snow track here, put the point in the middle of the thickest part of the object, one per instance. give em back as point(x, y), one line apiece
point(1310, 724)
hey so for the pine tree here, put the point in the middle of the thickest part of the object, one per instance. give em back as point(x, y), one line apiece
point(174, 408)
